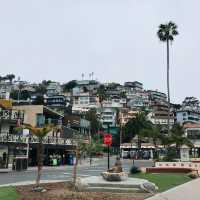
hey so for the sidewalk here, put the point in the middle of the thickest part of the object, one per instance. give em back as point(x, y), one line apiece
point(187, 191)
point(84, 163)
point(5, 170)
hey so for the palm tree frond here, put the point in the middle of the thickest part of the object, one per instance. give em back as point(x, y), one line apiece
point(167, 31)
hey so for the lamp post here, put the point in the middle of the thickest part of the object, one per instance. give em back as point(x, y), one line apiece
point(108, 149)
point(120, 141)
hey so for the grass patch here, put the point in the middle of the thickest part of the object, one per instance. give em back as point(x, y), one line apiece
point(164, 181)
point(8, 193)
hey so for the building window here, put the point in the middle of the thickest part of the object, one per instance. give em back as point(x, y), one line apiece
point(40, 120)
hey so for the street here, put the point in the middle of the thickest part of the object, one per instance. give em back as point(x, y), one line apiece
point(62, 172)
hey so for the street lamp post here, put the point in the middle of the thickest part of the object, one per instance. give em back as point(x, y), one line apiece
point(108, 149)
point(120, 141)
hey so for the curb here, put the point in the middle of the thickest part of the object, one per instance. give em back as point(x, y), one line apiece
point(31, 183)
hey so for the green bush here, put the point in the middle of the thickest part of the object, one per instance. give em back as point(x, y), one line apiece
point(192, 175)
point(171, 155)
point(134, 170)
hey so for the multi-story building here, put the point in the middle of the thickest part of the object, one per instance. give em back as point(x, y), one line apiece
point(38, 115)
point(90, 85)
point(57, 143)
point(137, 99)
point(78, 123)
point(57, 102)
point(53, 88)
point(83, 100)
point(191, 102)
point(134, 85)
point(10, 118)
point(159, 114)
point(109, 115)
point(189, 111)
point(155, 95)
point(187, 116)
point(192, 132)
point(126, 114)
point(5, 89)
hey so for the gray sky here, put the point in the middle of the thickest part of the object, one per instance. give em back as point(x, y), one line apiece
point(115, 39)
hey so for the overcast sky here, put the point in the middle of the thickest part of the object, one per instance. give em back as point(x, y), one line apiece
point(115, 39)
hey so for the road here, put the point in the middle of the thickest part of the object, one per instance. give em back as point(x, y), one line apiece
point(61, 173)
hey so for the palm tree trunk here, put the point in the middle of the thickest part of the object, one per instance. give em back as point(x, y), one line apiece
point(168, 89)
point(40, 161)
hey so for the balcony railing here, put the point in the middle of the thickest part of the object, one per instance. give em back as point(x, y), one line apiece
point(10, 138)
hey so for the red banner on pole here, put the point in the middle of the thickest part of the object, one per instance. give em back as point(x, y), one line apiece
point(107, 139)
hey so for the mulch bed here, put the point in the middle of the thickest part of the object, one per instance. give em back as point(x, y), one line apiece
point(62, 191)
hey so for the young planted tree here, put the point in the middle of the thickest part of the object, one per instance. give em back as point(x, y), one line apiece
point(166, 33)
point(93, 148)
point(82, 147)
point(40, 133)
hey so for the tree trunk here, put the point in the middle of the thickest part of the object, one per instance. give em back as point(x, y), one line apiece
point(156, 149)
point(168, 89)
point(40, 161)
point(8, 157)
point(75, 169)
point(90, 158)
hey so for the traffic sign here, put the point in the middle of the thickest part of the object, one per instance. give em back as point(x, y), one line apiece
point(108, 139)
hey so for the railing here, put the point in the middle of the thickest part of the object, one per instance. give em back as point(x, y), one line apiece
point(4, 138)
point(10, 138)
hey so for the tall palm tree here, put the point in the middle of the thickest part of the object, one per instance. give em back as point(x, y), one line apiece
point(166, 33)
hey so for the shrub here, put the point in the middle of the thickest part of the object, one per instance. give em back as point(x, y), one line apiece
point(171, 155)
point(192, 175)
point(134, 170)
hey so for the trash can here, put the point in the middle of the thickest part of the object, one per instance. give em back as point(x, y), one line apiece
point(20, 163)
point(55, 162)
point(70, 159)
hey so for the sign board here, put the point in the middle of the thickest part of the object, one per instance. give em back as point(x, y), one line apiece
point(107, 139)
point(185, 157)
point(55, 162)
point(25, 132)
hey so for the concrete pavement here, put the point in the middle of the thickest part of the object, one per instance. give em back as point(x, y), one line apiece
point(187, 191)
point(61, 172)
